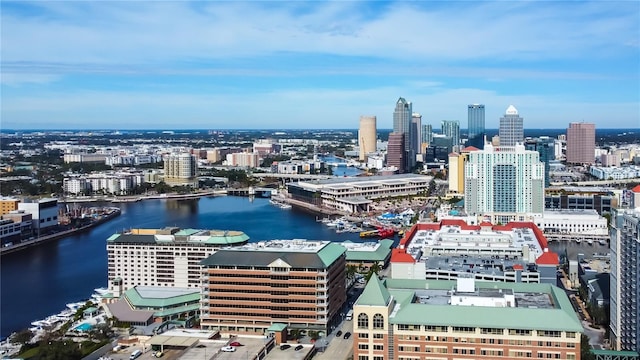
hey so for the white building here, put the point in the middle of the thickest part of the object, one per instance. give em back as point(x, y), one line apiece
point(615, 172)
point(585, 222)
point(44, 213)
point(244, 159)
point(75, 185)
point(506, 180)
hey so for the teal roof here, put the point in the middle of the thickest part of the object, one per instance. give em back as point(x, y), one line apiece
point(187, 232)
point(177, 310)
point(380, 254)
point(152, 298)
point(559, 318)
point(277, 327)
point(190, 236)
point(614, 353)
point(330, 253)
point(374, 294)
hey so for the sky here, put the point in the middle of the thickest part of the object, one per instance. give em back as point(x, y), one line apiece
point(124, 65)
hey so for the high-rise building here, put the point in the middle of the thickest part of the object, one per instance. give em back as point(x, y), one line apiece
point(299, 283)
point(625, 277)
point(505, 180)
point(414, 132)
point(402, 124)
point(544, 147)
point(463, 319)
point(427, 134)
point(163, 257)
point(581, 143)
point(395, 151)
point(511, 129)
point(181, 169)
point(475, 125)
point(456, 172)
point(367, 136)
point(451, 128)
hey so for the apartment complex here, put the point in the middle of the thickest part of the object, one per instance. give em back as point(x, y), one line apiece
point(504, 180)
point(295, 282)
point(181, 169)
point(355, 194)
point(515, 252)
point(8, 205)
point(466, 319)
point(163, 257)
point(581, 143)
point(511, 131)
point(625, 277)
point(451, 129)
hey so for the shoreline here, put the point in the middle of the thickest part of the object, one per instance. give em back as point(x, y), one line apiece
point(136, 198)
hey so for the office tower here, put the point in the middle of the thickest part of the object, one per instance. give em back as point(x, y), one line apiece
point(300, 283)
point(505, 180)
point(402, 125)
point(581, 143)
point(476, 126)
point(451, 128)
point(414, 133)
point(395, 151)
point(427, 134)
point(163, 257)
point(511, 129)
point(456, 172)
point(367, 136)
point(463, 319)
point(181, 169)
point(545, 148)
point(625, 277)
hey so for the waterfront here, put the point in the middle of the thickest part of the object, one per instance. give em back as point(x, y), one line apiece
point(39, 281)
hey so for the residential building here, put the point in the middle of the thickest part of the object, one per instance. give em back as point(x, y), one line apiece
point(511, 129)
point(456, 172)
point(8, 205)
point(415, 137)
point(265, 147)
point(451, 129)
point(244, 159)
point(85, 158)
point(353, 195)
point(427, 134)
point(44, 214)
point(367, 136)
point(402, 125)
point(515, 252)
point(181, 169)
point(599, 199)
point(168, 257)
point(610, 160)
point(544, 147)
point(476, 126)
point(615, 173)
point(395, 151)
point(300, 283)
point(505, 180)
point(463, 319)
point(581, 143)
point(625, 277)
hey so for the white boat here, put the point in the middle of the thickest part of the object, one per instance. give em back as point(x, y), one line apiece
point(285, 206)
point(102, 291)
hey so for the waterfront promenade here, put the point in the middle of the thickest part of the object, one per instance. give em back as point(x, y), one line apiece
point(136, 198)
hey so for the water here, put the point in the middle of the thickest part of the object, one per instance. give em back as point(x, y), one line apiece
point(40, 281)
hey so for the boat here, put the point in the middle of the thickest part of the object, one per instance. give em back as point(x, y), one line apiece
point(385, 233)
point(285, 206)
point(368, 233)
point(602, 242)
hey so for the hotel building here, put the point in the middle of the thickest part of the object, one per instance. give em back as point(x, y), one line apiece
point(354, 195)
point(465, 319)
point(299, 283)
point(163, 257)
point(515, 252)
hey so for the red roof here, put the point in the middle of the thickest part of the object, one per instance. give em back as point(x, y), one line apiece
point(636, 189)
point(485, 223)
point(518, 267)
point(401, 256)
point(470, 148)
point(548, 258)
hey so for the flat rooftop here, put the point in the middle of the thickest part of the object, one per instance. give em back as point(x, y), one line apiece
point(523, 299)
point(294, 245)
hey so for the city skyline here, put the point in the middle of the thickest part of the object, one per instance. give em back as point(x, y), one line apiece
point(195, 65)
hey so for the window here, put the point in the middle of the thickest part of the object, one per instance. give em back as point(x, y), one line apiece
point(378, 321)
point(363, 321)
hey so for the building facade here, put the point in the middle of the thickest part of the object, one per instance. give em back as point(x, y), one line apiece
point(625, 277)
point(476, 126)
point(367, 136)
point(581, 143)
point(456, 172)
point(465, 319)
point(8, 205)
point(544, 147)
point(402, 125)
point(504, 180)
point(416, 138)
point(299, 283)
point(427, 134)
point(44, 214)
point(181, 169)
point(511, 129)
point(451, 129)
point(396, 152)
point(168, 257)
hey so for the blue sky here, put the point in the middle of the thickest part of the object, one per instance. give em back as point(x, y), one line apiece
point(246, 65)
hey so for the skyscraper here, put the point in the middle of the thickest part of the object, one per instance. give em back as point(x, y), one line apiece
point(476, 126)
point(581, 143)
point(414, 133)
point(624, 289)
point(511, 128)
point(505, 179)
point(402, 125)
point(367, 136)
point(427, 134)
point(544, 147)
point(451, 128)
point(395, 151)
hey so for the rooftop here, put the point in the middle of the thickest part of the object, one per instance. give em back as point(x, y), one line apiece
point(185, 236)
point(368, 251)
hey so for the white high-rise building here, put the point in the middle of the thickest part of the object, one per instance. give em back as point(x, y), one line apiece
point(506, 180)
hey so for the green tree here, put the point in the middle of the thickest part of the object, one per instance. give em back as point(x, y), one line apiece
point(59, 350)
point(585, 348)
point(351, 271)
point(374, 269)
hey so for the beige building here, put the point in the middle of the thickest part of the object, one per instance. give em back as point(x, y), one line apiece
point(299, 283)
point(8, 204)
point(367, 136)
point(181, 169)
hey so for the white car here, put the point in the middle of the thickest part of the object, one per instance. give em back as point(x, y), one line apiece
point(228, 349)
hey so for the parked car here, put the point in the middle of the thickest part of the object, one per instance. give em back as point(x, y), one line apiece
point(299, 347)
point(158, 354)
point(339, 333)
point(235, 343)
point(228, 349)
point(347, 335)
point(284, 346)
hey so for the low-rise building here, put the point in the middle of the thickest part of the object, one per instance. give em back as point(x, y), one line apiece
point(467, 319)
point(363, 255)
point(44, 214)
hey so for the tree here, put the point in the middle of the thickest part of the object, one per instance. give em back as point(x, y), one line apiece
point(585, 348)
point(374, 269)
point(59, 350)
point(22, 337)
point(351, 271)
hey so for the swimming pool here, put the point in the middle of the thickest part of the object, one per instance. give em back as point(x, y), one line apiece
point(83, 327)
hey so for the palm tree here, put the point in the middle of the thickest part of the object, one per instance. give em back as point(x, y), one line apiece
point(373, 269)
point(351, 271)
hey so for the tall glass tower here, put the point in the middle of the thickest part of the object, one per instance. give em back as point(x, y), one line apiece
point(476, 126)
point(451, 128)
point(511, 131)
point(402, 125)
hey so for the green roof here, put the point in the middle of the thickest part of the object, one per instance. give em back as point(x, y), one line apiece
point(381, 253)
point(330, 253)
point(151, 298)
point(374, 294)
point(177, 310)
point(559, 318)
point(277, 327)
point(614, 353)
point(189, 236)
